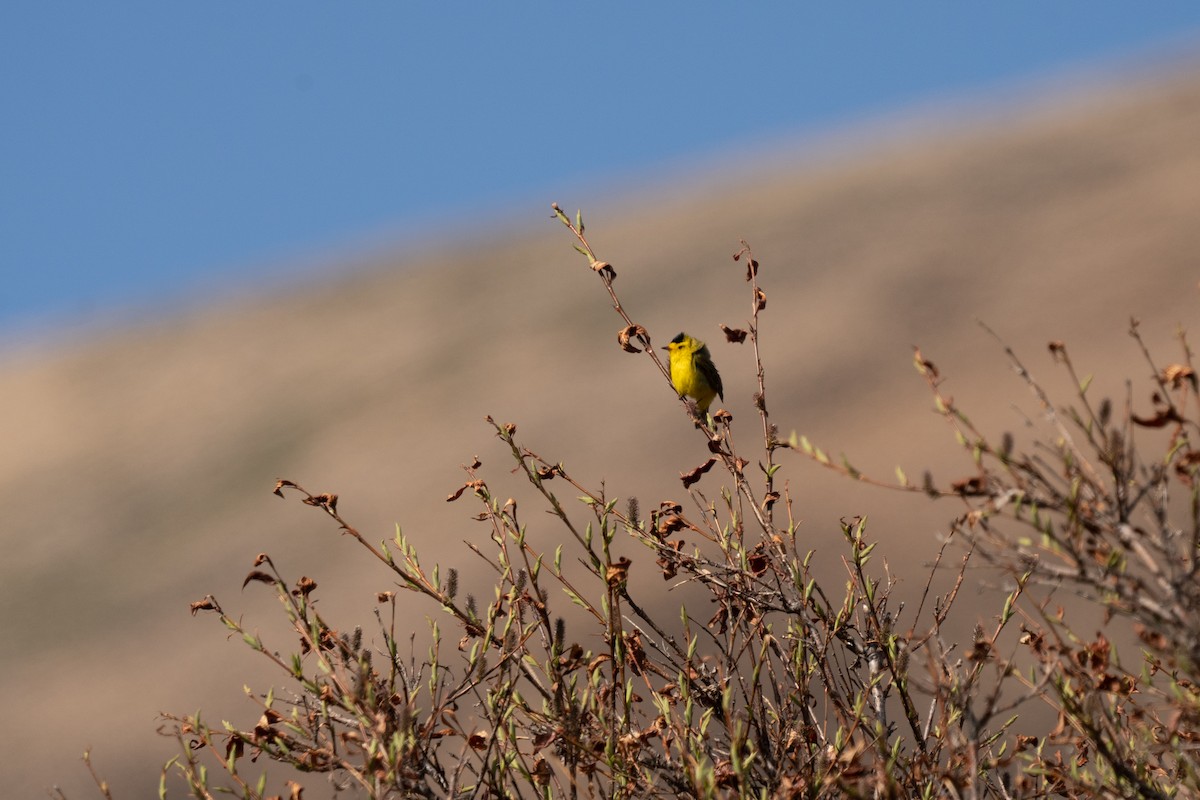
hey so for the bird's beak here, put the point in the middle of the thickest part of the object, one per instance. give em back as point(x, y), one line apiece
point(664, 348)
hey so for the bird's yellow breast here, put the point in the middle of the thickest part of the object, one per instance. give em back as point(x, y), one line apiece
point(688, 380)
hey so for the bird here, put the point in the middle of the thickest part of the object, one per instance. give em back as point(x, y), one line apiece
point(693, 373)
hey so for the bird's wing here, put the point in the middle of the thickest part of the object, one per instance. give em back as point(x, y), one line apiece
point(709, 370)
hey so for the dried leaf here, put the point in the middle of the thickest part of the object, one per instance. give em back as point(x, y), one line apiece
point(605, 269)
point(970, 487)
point(598, 661)
point(758, 561)
point(618, 572)
point(626, 334)
point(325, 501)
point(1160, 419)
point(261, 577)
point(690, 478)
point(541, 772)
point(476, 485)
point(668, 560)
point(1176, 374)
point(734, 335)
point(209, 603)
point(669, 523)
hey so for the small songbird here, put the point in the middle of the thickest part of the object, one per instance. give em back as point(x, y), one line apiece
point(693, 373)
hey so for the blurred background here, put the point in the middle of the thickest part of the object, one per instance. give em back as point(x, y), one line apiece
point(249, 242)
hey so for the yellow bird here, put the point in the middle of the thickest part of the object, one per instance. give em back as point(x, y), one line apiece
point(693, 373)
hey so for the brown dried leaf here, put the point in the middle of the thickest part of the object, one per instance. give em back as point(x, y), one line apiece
point(572, 659)
point(618, 572)
point(597, 662)
point(326, 501)
point(263, 727)
point(758, 560)
point(261, 577)
point(667, 561)
point(760, 297)
point(669, 523)
point(475, 485)
point(541, 772)
point(626, 334)
point(281, 485)
point(234, 748)
point(605, 269)
point(975, 486)
point(691, 478)
point(733, 335)
point(304, 586)
point(1161, 418)
point(1176, 374)
point(209, 603)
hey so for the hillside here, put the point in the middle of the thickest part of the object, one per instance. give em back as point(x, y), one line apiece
point(141, 461)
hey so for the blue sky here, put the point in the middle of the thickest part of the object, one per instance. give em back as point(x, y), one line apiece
point(152, 150)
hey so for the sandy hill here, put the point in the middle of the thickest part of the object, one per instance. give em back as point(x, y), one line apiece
point(140, 462)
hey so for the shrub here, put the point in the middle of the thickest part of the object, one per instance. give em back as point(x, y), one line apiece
point(789, 688)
